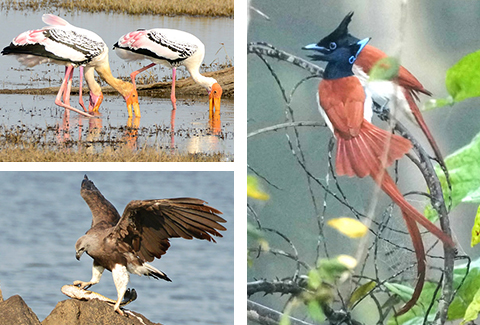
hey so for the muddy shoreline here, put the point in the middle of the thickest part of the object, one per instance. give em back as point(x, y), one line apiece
point(184, 88)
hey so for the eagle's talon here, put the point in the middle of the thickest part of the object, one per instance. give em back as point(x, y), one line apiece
point(82, 285)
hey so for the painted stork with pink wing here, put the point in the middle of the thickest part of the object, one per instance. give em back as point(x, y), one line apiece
point(172, 48)
point(64, 44)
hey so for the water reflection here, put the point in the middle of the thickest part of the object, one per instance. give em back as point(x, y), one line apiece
point(206, 136)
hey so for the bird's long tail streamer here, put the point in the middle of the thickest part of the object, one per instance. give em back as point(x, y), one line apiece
point(386, 183)
point(421, 264)
point(421, 122)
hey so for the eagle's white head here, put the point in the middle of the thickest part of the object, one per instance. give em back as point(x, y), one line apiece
point(82, 246)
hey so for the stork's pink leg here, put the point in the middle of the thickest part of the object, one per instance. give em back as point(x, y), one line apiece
point(63, 87)
point(66, 93)
point(172, 129)
point(134, 73)
point(172, 93)
point(80, 98)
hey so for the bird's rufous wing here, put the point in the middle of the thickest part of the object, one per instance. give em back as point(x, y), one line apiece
point(370, 56)
point(342, 99)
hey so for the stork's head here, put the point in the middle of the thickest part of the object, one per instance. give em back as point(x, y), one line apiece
point(214, 97)
point(131, 98)
point(94, 102)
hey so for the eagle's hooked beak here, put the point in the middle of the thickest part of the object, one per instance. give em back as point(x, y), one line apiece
point(79, 253)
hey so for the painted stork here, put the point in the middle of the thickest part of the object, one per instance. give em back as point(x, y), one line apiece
point(64, 44)
point(171, 48)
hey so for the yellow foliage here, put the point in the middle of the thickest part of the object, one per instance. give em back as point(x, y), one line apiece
point(349, 227)
point(254, 191)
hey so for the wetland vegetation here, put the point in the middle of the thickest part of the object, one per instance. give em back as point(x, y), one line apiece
point(208, 8)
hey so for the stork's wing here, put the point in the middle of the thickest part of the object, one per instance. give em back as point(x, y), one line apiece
point(173, 44)
point(148, 225)
point(170, 45)
point(102, 209)
point(53, 20)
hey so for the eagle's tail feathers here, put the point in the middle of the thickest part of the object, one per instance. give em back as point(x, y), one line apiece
point(155, 273)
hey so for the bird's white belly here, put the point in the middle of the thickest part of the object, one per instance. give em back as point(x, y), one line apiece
point(385, 94)
point(132, 56)
point(129, 55)
point(30, 60)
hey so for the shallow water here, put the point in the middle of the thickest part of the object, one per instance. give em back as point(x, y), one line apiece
point(43, 215)
point(192, 130)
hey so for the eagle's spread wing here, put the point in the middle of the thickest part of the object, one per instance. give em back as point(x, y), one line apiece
point(102, 209)
point(147, 225)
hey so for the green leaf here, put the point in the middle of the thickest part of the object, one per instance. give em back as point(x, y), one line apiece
point(284, 320)
point(315, 311)
point(464, 167)
point(437, 103)
point(476, 229)
point(314, 279)
point(403, 291)
point(463, 79)
point(331, 269)
point(417, 313)
point(384, 69)
point(473, 309)
point(361, 292)
point(459, 305)
point(467, 291)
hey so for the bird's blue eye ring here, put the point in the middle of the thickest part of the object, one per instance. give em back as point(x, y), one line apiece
point(332, 45)
point(352, 59)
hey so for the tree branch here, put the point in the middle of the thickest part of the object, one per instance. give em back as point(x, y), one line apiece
point(267, 316)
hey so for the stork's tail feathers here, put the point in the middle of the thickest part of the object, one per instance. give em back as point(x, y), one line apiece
point(155, 273)
point(358, 155)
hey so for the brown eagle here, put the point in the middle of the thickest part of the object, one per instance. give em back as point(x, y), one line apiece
point(125, 244)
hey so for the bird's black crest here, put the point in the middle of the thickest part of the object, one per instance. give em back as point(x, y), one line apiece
point(340, 35)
